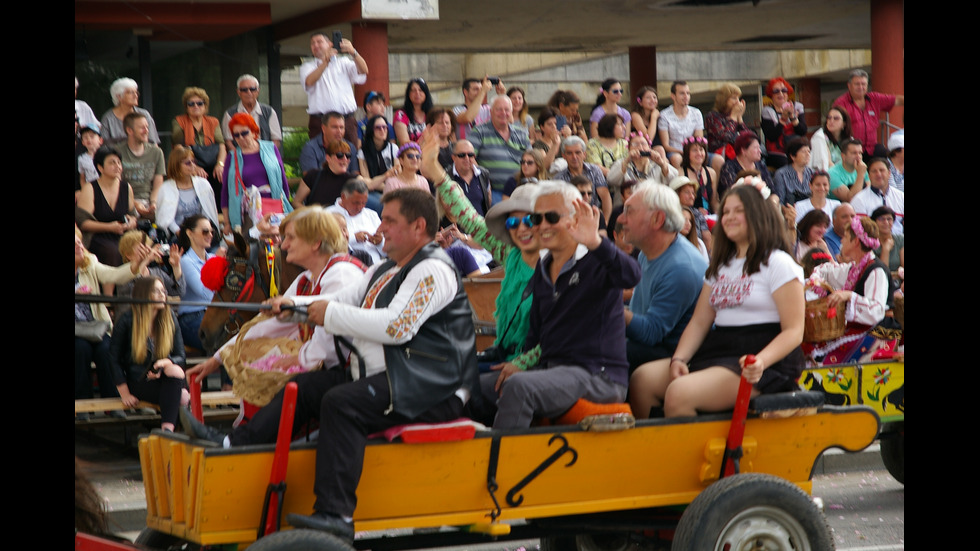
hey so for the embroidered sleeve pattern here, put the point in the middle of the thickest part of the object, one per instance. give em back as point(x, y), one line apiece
point(405, 322)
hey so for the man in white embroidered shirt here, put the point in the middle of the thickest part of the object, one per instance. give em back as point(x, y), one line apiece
point(412, 325)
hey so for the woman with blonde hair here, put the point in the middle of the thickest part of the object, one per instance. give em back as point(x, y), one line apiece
point(93, 325)
point(147, 352)
point(312, 239)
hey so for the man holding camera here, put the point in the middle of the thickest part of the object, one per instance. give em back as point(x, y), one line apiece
point(474, 111)
point(329, 79)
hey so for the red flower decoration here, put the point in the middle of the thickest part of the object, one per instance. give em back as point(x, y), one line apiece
point(832, 312)
point(214, 271)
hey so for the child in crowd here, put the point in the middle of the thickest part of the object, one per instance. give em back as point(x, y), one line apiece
point(92, 141)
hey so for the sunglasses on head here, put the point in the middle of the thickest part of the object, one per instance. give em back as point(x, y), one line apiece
point(342, 155)
point(514, 222)
point(551, 216)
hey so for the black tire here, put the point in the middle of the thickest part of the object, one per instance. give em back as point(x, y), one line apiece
point(767, 511)
point(153, 539)
point(301, 540)
point(893, 454)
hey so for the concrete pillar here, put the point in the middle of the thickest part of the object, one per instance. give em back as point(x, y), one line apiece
point(370, 39)
point(643, 70)
point(808, 93)
point(888, 53)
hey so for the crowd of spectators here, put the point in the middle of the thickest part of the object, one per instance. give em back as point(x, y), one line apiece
point(227, 174)
point(616, 286)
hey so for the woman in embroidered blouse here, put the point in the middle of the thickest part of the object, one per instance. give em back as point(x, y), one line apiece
point(255, 164)
point(313, 239)
point(751, 304)
point(863, 286)
point(196, 127)
point(410, 119)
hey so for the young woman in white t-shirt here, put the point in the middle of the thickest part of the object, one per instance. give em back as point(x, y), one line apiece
point(753, 295)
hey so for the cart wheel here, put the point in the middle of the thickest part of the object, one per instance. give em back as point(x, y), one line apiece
point(301, 540)
point(753, 511)
point(153, 539)
point(893, 454)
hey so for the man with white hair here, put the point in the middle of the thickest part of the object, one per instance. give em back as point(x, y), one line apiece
point(499, 145)
point(573, 151)
point(673, 273)
point(576, 315)
point(264, 115)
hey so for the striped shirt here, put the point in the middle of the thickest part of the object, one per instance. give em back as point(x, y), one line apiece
point(501, 158)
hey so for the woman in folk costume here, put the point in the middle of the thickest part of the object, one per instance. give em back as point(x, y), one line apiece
point(313, 240)
point(864, 288)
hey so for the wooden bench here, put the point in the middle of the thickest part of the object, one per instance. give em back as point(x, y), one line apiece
point(208, 400)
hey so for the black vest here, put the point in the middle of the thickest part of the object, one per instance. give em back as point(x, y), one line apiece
point(441, 357)
point(874, 265)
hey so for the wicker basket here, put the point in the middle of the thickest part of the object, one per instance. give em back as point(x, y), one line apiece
point(821, 322)
point(253, 385)
point(899, 310)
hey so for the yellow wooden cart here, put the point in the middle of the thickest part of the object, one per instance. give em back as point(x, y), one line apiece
point(543, 482)
point(879, 385)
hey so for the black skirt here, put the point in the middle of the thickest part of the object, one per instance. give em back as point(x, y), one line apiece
point(723, 346)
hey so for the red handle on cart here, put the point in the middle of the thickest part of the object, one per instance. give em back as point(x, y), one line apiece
point(733, 448)
point(280, 460)
point(197, 410)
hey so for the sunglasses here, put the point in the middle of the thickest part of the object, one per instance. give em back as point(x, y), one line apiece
point(528, 162)
point(206, 231)
point(195, 104)
point(616, 91)
point(780, 91)
point(382, 127)
point(241, 134)
point(514, 222)
point(551, 216)
point(249, 89)
point(465, 155)
point(342, 155)
point(413, 156)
